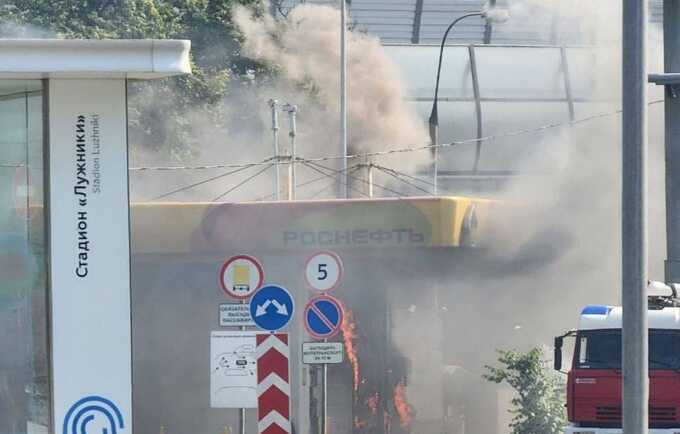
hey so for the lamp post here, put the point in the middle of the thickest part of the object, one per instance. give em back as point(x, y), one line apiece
point(494, 15)
point(344, 190)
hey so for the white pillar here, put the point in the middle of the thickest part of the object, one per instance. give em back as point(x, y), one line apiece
point(89, 260)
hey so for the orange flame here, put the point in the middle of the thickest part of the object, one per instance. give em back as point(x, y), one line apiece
point(360, 424)
point(348, 336)
point(372, 403)
point(401, 404)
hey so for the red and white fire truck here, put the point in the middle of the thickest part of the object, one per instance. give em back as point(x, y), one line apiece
point(594, 382)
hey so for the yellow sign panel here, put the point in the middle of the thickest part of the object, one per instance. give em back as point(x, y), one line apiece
point(241, 278)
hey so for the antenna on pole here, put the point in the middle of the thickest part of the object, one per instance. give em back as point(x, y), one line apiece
point(273, 104)
point(292, 133)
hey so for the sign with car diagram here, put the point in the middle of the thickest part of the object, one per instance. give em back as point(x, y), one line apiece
point(233, 370)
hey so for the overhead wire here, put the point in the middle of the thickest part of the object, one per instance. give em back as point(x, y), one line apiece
point(304, 184)
point(200, 167)
point(404, 174)
point(328, 187)
point(205, 181)
point(396, 175)
point(333, 184)
point(314, 161)
point(245, 181)
point(357, 179)
point(401, 150)
point(336, 176)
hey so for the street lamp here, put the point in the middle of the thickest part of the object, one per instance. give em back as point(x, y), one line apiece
point(494, 15)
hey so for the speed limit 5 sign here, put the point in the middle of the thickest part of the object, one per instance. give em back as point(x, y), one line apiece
point(324, 271)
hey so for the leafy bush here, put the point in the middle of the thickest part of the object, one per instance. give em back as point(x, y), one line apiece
point(538, 407)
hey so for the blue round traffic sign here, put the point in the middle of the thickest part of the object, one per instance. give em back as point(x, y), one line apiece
point(323, 317)
point(271, 308)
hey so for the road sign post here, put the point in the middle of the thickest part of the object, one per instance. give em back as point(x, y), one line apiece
point(273, 383)
point(240, 276)
point(242, 410)
point(323, 319)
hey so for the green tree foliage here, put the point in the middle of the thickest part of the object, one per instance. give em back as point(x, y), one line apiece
point(158, 109)
point(538, 407)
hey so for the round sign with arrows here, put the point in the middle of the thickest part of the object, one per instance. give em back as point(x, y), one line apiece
point(272, 307)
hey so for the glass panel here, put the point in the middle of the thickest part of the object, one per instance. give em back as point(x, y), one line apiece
point(583, 349)
point(528, 73)
point(664, 349)
point(601, 349)
point(23, 326)
point(419, 68)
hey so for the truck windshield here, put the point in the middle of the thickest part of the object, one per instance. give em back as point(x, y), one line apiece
point(601, 349)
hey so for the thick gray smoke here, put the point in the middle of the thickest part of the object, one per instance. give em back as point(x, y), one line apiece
point(554, 243)
point(304, 49)
point(305, 46)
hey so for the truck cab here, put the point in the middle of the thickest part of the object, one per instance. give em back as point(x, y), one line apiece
point(594, 382)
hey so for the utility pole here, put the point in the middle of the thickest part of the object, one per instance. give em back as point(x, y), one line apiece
point(671, 38)
point(273, 104)
point(369, 177)
point(634, 218)
point(344, 189)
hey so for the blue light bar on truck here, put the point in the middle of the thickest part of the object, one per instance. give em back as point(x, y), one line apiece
point(596, 310)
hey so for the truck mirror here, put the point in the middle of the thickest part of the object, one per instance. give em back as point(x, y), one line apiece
point(558, 353)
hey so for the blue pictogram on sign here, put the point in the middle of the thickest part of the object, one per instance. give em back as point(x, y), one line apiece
point(271, 308)
point(93, 409)
point(323, 317)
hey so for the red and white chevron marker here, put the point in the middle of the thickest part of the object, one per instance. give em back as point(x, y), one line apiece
point(273, 384)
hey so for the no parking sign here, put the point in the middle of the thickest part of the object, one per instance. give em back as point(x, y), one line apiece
point(323, 317)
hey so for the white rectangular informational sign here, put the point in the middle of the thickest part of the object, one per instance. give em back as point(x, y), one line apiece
point(322, 352)
point(233, 370)
point(89, 255)
point(235, 315)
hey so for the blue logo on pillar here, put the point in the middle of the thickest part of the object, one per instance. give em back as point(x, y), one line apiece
point(93, 409)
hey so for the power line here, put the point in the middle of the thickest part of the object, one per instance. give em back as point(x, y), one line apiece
point(336, 176)
point(328, 187)
point(333, 184)
point(396, 175)
point(359, 179)
point(245, 181)
point(400, 150)
point(405, 175)
point(201, 167)
point(205, 181)
point(304, 184)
